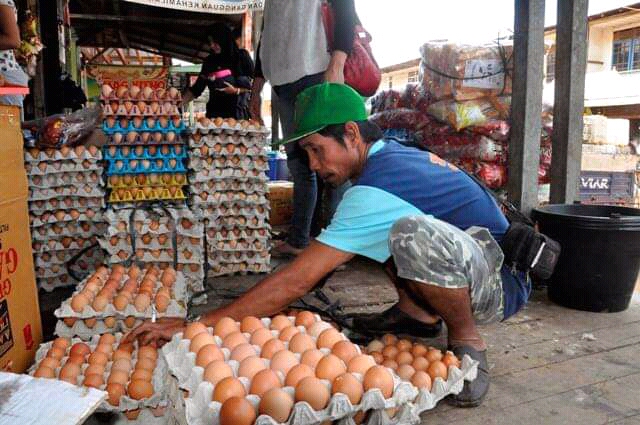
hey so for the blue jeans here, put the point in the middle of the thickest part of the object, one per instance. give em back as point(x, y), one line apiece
point(305, 186)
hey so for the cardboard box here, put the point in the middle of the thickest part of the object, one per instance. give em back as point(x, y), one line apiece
point(20, 327)
point(281, 201)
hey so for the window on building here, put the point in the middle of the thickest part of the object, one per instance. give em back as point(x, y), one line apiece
point(626, 50)
point(413, 77)
point(551, 66)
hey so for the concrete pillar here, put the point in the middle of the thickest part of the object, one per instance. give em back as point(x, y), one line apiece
point(526, 104)
point(571, 64)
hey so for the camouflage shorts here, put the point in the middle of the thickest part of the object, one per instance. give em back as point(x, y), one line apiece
point(431, 251)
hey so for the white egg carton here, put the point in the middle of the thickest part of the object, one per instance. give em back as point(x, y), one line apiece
point(48, 231)
point(249, 257)
point(241, 268)
point(160, 375)
point(176, 307)
point(49, 284)
point(223, 186)
point(229, 150)
point(240, 128)
point(239, 245)
point(48, 168)
point(197, 139)
point(56, 155)
point(48, 218)
point(231, 199)
point(81, 204)
point(216, 235)
point(85, 191)
point(54, 245)
point(244, 163)
point(148, 416)
point(64, 179)
point(85, 333)
point(231, 222)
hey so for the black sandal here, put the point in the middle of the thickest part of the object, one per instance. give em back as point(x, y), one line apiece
point(473, 392)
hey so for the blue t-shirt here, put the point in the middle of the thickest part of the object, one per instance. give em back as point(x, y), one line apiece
point(398, 181)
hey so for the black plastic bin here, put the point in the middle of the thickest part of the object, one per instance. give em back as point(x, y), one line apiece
point(600, 259)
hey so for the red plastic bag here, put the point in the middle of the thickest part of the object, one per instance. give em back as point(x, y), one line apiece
point(494, 129)
point(408, 119)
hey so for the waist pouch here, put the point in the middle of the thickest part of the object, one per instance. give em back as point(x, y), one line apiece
point(529, 251)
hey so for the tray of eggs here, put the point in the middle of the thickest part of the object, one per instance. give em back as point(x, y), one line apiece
point(63, 179)
point(216, 235)
point(83, 191)
point(144, 152)
point(133, 376)
point(162, 124)
point(65, 243)
point(146, 180)
point(229, 185)
point(146, 166)
point(226, 148)
point(135, 92)
point(147, 194)
point(85, 329)
point(228, 126)
point(63, 216)
point(84, 229)
point(243, 268)
point(197, 140)
point(226, 162)
point(204, 173)
point(65, 153)
point(141, 108)
point(249, 257)
point(144, 138)
point(89, 206)
point(288, 370)
point(48, 168)
point(131, 292)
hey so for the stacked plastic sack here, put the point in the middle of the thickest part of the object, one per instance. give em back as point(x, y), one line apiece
point(460, 110)
point(66, 197)
point(229, 186)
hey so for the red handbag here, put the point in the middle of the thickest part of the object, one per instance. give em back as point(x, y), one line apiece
point(361, 70)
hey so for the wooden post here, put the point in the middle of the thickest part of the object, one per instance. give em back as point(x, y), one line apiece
point(526, 104)
point(571, 64)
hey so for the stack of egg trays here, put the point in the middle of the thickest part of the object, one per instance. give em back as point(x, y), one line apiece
point(159, 236)
point(152, 409)
point(190, 395)
point(228, 186)
point(66, 197)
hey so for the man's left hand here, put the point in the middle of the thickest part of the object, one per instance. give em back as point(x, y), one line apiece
point(229, 89)
point(335, 70)
point(158, 333)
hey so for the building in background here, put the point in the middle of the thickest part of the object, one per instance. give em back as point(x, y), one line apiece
point(398, 76)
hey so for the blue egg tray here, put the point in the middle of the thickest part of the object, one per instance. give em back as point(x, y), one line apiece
point(141, 168)
point(145, 155)
point(144, 127)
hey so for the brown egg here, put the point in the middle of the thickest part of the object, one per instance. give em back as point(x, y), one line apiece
point(50, 362)
point(418, 350)
point(207, 354)
point(301, 342)
point(260, 336)
point(142, 374)
point(405, 371)
point(280, 322)
point(237, 411)
point(328, 338)
point(228, 387)
point(389, 339)
point(283, 361)
point(44, 372)
point(390, 352)
point(120, 302)
point(132, 415)
point(263, 381)
point(437, 369)
point(142, 302)
point(130, 321)
point(118, 377)
point(115, 392)
point(104, 348)
point(348, 385)
point(69, 372)
point(146, 363)
point(450, 359)
point(404, 345)
point(56, 352)
point(225, 326)
point(62, 343)
point(122, 364)
point(311, 357)
point(94, 369)
point(345, 350)
point(287, 333)
point(271, 347)
point(379, 377)
point(421, 380)
point(276, 403)
point(79, 302)
point(100, 303)
point(242, 351)
point(98, 358)
point(391, 364)
point(90, 323)
point(162, 303)
point(234, 339)
point(94, 380)
point(296, 373)
point(250, 366)
point(193, 329)
point(420, 364)
point(360, 364)
point(69, 321)
point(313, 391)
point(305, 318)
point(375, 345)
point(329, 367)
point(200, 341)
point(216, 371)
point(139, 389)
point(404, 357)
point(147, 351)
point(433, 355)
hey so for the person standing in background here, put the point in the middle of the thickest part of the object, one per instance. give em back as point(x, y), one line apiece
point(245, 79)
point(10, 70)
point(293, 54)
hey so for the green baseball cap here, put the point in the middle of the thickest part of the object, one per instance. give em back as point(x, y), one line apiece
point(325, 104)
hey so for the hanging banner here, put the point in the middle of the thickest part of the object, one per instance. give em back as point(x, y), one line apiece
point(206, 6)
point(117, 75)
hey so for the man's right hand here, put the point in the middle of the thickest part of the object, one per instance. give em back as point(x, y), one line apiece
point(158, 333)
